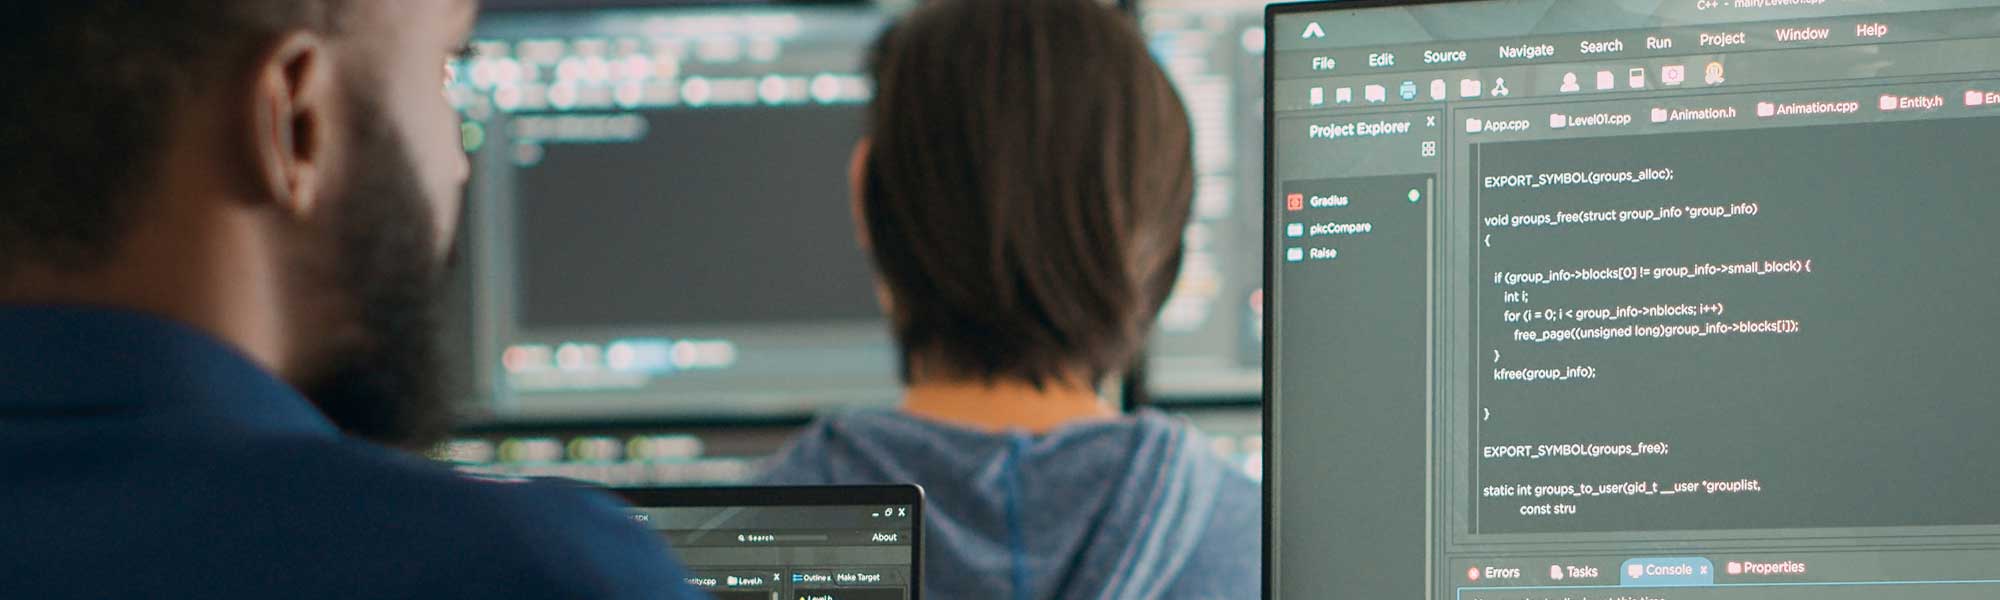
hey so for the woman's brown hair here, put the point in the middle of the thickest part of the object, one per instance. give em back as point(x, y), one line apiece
point(1027, 188)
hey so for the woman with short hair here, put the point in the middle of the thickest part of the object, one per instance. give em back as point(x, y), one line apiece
point(1023, 189)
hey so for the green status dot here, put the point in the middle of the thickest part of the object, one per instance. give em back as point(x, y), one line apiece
point(472, 135)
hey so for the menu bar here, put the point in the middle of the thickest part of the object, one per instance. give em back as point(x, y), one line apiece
point(1641, 44)
point(1348, 28)
point(1642, 77)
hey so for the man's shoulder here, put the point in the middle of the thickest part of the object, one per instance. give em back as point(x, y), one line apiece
point(342, 462)
point(558, 535)
point(221, 514)
point(438, 495)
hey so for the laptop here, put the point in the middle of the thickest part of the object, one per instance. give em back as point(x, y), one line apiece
point(782, 543)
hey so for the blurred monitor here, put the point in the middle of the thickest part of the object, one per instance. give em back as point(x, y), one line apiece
point(1208, 343)
point(624, 452)
point(726, 449)
point(658, 221)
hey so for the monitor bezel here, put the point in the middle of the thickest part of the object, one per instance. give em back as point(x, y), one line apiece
point(808, 495)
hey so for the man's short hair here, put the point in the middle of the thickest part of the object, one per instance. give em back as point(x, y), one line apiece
point(1028, 188)
point(92, 88)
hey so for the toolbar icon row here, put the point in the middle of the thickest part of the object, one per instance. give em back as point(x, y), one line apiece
point(1409, 91)
point(1637, 78)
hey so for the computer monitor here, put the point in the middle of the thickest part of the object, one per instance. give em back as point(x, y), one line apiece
point(658, 221)
point(1207, 345)
point(830, 543)
point(1690, 299)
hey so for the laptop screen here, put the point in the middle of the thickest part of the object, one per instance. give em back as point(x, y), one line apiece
point(797, 551)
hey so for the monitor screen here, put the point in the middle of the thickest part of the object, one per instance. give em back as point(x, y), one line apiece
point(1684, 299)
point(658, 221)
point(1208, 343)
point(779, 548)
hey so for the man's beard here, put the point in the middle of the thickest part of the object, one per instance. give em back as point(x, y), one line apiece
point(385, 381)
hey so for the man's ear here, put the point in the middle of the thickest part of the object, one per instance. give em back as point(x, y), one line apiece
point(292, 102)
point(857, 185)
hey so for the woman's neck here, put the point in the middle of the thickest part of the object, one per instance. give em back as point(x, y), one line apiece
point(1006, 405)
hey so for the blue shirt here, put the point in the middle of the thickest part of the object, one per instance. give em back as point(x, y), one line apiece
point(1134, 509)
point(142, 459)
